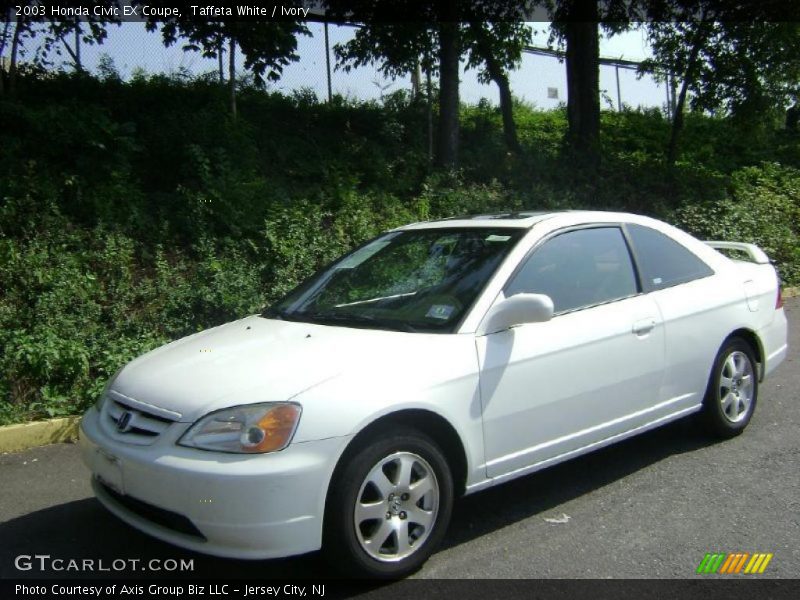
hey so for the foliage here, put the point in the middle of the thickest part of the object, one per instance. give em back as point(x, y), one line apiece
point(268, 46)
point(763, 208)
point(399, 46)
point(576, 25)
point(136, 212)
point(744, 68)
point(490, 35)
point(34, 22)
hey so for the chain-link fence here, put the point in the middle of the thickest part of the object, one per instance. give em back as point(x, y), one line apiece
point(540, 79)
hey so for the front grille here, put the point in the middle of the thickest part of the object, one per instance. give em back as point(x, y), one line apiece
point(134, 424)
point(160, 516)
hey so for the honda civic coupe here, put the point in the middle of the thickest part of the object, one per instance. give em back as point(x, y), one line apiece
point(436, 360)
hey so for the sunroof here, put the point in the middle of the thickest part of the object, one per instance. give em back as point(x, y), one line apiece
point(505, 215)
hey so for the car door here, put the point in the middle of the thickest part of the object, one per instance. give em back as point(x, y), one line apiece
point(692, 303)
point(593, 371)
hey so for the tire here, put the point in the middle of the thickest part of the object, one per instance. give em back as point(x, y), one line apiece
point(389, 505)
point(732, 390)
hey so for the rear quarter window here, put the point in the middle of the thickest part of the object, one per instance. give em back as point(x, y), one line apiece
point(662, 261)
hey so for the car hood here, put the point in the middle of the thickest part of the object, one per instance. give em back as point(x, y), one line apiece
point(247, 361)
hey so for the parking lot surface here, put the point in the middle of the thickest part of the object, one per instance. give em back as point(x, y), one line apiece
point(650, 507)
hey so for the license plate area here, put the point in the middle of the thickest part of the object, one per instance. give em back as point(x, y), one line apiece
point(108, 471)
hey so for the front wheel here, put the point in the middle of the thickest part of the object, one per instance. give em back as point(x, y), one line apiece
point(732, 390)
point(389, 506)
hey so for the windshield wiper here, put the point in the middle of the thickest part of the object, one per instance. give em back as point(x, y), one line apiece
point(353, 319)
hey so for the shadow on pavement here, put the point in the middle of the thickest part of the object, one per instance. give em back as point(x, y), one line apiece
point(84, 529)
point(498, 507)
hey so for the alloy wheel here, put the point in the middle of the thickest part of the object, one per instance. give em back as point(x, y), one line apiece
point(736, 388)
point(396, 507)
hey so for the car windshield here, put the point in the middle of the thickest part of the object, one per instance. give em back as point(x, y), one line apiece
point(414, 280)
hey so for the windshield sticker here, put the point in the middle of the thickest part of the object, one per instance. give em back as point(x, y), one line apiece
point(359, 256)
point(440, 311)
point(498, 238)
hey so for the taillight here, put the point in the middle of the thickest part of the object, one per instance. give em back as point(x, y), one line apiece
point(779, 301)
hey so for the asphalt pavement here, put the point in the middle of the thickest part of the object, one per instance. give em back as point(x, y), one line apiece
point(649, 507)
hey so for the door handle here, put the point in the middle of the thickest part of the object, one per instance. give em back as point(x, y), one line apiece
point(643, 326)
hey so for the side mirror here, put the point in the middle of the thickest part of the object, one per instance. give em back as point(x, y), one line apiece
point(516, 310)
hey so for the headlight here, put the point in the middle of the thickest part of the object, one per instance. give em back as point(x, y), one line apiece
point(101, 400)
point(255, 428)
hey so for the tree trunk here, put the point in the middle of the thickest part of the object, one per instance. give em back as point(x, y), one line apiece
point(500, 78)
point(449, 52)
point(507, 110)
point(78, 63)
point(2, 49)
point(221, 60)
point(6, 27)
point(12, 65)
point(416, 77)
point(583, 81)
point(677, 116)
point(429, 110)
point(677, 124)
point(232, 75)
point(672, 88)
point(75, 54)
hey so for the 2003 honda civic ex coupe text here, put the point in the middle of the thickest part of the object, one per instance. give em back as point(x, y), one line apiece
point(438, 359)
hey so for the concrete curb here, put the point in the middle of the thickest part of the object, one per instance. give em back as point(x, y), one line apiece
point(14, 438)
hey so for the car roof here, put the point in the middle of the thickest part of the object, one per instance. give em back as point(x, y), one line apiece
point(522, 219)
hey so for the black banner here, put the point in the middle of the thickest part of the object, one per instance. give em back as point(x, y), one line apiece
point(343, 11)
point(707, 589)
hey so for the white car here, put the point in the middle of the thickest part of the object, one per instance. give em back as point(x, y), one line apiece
point(438, 359)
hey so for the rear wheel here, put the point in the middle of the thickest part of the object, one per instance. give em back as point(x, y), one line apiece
point(732, 389)
point(389, 505)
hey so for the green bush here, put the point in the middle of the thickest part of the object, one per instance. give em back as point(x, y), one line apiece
point(134, 213)
point(763, 208)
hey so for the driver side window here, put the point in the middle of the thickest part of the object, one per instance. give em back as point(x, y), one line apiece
point(578, 269)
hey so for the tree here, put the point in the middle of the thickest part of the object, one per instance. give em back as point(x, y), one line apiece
point(437, 41)
point(743, 68)
point(577, 23)
point(398, 46)
point(267, 46)
point(50, 34)
point(494, 37)
point(83, 31)
point(449, 55)
point(23, 28)
point(496, 48)
point(694, 37)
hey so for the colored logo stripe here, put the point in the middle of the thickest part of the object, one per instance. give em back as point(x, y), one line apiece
point(758, 563)
point(734, 562)
point(723, 563)
point(710, 563)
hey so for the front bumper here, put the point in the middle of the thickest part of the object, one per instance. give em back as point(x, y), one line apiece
point(231, 505)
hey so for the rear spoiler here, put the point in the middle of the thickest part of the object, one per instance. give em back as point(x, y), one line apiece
point(755, 253)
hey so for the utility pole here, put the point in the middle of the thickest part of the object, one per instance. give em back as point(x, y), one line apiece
point(232, 75)
point(328, 61)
